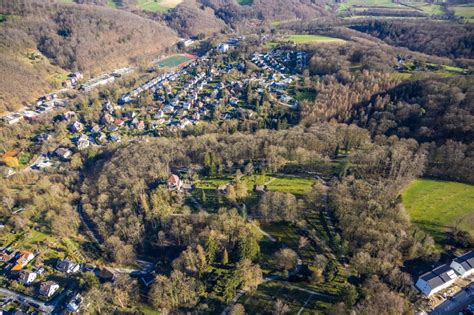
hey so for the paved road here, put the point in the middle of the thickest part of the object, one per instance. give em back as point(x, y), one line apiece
point(456, 303)
point(27, 299)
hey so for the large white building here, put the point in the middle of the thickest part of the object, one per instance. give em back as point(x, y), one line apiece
point(464, 265)
point(436, 280)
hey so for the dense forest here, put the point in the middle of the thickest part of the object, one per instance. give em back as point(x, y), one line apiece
point(435, 38)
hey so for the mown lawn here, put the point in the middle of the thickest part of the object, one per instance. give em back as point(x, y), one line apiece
point(367, 3)
point(431, 9)
point(466, 11)
point(306, 39)
point(437, 205)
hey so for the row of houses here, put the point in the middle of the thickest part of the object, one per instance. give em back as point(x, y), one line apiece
point(32, 113)
point(445, 275)
point(15, 267)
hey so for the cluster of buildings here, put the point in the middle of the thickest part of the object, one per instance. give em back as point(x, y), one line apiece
point(43, 105)
point(444, 276)
point(205, 89)
point(15, 268)
point(231, 43)
point(104, 79)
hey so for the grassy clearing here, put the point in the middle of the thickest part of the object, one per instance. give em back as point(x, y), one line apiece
point(173, 61)
point(367, 4)
point(157, 5)
point(307, 39)
point(437, 205)
point(263, 300)
point(465, 11)
point(431, 9)
point(207, 188)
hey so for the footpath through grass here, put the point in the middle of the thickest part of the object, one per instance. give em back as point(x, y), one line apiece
point(437, 205)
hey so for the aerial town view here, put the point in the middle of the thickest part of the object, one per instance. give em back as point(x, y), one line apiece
point(237, 157)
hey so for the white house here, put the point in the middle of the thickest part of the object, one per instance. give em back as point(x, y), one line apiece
point(223, 48)
point(436, 280)
point(464, 265)
point(48, 288)
point(27, 276)
point(75, 303)
point(67, 266)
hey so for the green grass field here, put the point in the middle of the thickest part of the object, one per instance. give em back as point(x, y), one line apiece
point(465, 11)
point(437, 205)
point(307, 39)
point(368, 3)
point(173, 61)
point(157, 5)
point(431, 9)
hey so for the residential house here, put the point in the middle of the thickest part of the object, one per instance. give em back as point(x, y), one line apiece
point(70, 115)
point(223, 48)
point(464, 265)
point(5, 256)
point(159, 114)
point(222, 188)
point(115, 137)
point(48, 288)
point(436, 280)
point(42, 137)
point(106, 119)
point(22, 258)
point(75, 303)
point(95, 129)
point(63, 153)
point(108, 107)
point(76, 127)
point(260, 188)
point(67, 266)
point(119, 122)
point(30, 116)
point(101, 138)
point(27, 277)
point(83, 143)
point(13, 119)
point(106, 274)
point(174, 182)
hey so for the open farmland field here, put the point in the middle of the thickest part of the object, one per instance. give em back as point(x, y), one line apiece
point(437, 205)
point(368, 4)
point(431, 9)
point(465, 11)
point(307, 39)
point(174, 61)
point(157, 5)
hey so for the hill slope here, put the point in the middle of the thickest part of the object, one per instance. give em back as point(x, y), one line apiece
point(72, 37)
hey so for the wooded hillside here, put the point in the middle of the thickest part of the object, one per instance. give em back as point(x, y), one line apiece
point(74, 37)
